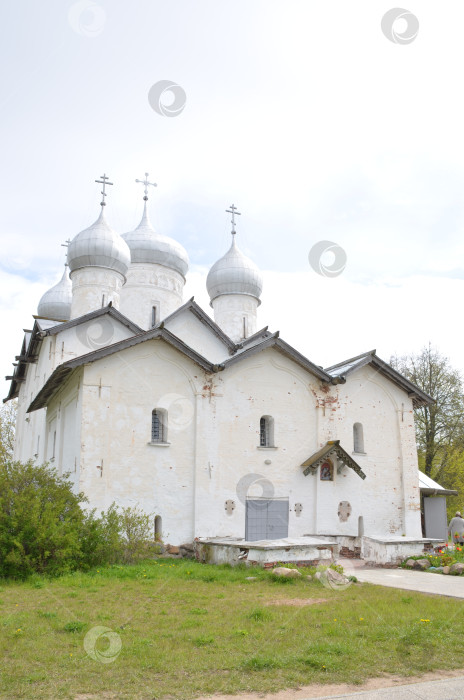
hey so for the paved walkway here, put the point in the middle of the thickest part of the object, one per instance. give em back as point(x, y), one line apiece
point(450, 689)
point(414, 581)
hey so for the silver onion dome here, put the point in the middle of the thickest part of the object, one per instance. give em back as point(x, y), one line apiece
point(234, 273)
point(56, 303)
point(147, 246)
point(99, 246)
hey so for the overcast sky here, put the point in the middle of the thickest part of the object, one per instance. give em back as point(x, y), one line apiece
point(317, 126)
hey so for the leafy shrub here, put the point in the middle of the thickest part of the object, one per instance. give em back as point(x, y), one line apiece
point(40, 521)
point(44, 528)
point(135, 532)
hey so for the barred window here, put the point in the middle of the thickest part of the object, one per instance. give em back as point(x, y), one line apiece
point(266, 431)
point(159, 425)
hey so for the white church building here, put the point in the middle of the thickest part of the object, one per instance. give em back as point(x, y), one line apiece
point(220, 430)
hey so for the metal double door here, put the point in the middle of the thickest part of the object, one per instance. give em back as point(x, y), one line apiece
point(266, 519)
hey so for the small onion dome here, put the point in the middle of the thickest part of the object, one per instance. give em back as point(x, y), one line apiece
point(147, 246)
point(56, 303)
point(234, 273)
point(99, 246)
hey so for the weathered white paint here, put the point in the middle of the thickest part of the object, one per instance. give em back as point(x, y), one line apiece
point(196, 335)
point(94, 287)
point(262, 553)
point(150, 285)
point(213, 443)
point(98, 425)
point(236, 314)
point(393, 551)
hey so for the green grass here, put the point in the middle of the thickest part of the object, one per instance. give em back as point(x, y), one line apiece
point(179, 629)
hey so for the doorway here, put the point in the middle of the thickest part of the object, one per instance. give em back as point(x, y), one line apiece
point(266, 519)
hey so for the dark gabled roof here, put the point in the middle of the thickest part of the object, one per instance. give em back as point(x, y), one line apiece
point(44, 327)
point(273, 341)
point(343, 369)
point(202, 316)
point(331, 447)
point(106, 310)
point(64, 370)
point(29, 354)
point(259, 335)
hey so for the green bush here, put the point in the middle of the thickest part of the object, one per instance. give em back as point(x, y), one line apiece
point(40, 521)
point(44, 528)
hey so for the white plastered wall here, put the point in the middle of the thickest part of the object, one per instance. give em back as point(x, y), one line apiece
point(147, 286)
point(118, 461)
point(197, 336)
point(388, 499)
point(236, 315)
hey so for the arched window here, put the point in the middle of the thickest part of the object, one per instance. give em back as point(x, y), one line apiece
point(158, 528)
point(358, 438)
point(266, 431)
point(159, 425)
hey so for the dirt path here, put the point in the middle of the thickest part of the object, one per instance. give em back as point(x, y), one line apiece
point(318, 690)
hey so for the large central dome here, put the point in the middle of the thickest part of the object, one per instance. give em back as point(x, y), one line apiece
point(147, 246)
point(99, 246)
point(234, 273)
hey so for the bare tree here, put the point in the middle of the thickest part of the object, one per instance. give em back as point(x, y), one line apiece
point(439, 426)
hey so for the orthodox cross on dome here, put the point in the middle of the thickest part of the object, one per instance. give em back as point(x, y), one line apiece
point(146, 183)
point(104, 181)
point(66, 245)
point(234, 212)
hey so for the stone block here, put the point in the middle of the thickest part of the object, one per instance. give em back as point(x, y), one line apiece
point(287, 573)
point(456, 569)
point(421, 564)
point(188, 546)
point(336, 578)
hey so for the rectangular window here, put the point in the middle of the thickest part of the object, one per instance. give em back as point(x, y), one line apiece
point(263, 433)
point(159, 425)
